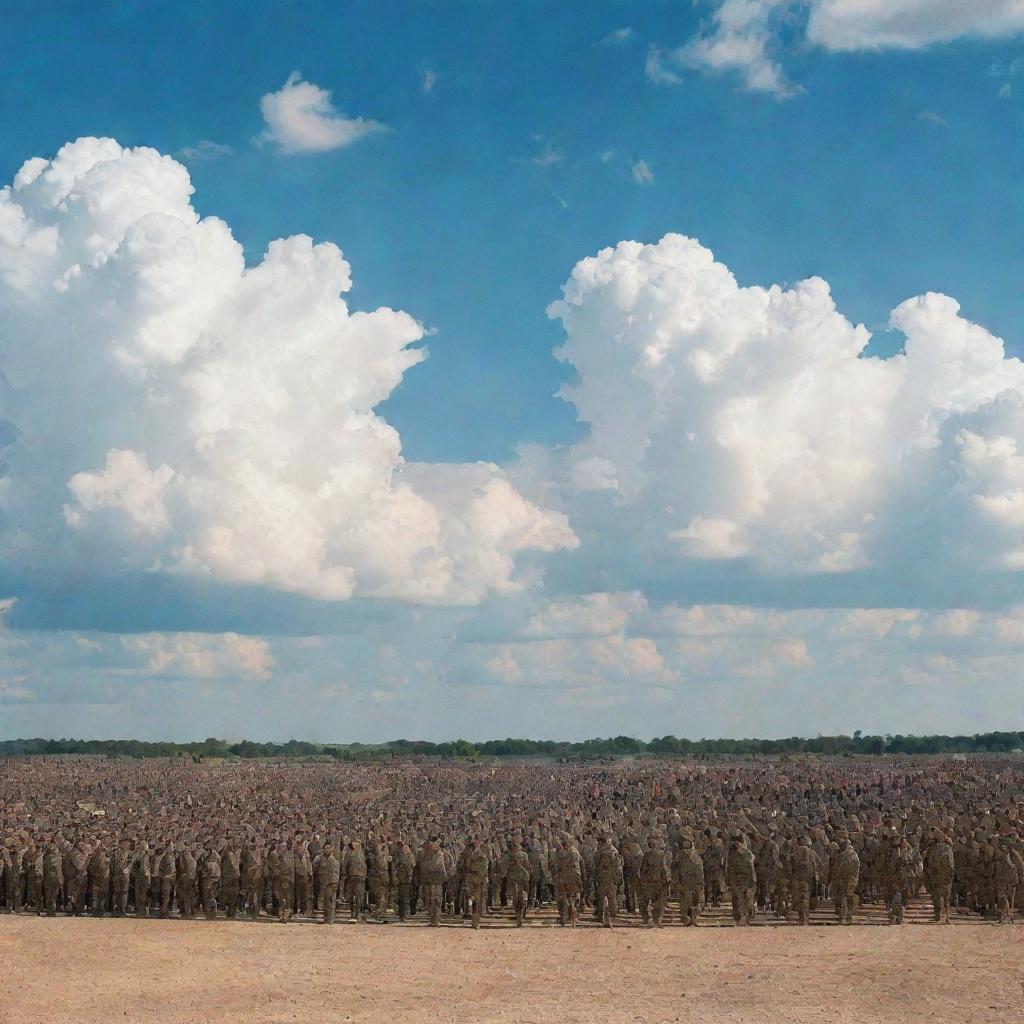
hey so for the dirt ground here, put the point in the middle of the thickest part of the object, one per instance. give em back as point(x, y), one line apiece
point(79, 970)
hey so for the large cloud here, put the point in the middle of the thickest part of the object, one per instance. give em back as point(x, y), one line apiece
point(745, 423)
point(910, 24)
point(169, 408)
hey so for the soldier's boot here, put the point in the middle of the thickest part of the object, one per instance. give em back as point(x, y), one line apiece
point(572, 914)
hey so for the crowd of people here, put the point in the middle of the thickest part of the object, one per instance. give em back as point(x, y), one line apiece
point(638, 840)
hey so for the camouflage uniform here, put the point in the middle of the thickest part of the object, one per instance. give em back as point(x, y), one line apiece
point(209, 881)
point(689, 879)
point(518, 880)
point(938, 876)
point(404, 866)
point(476, 866)
point(568, 883)
point(327, 871)
point(741, 878)
point(655, 878)
point(99, 881)
point(433, 872)
point(607, 878)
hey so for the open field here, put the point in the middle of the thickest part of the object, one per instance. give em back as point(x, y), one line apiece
point(68, 971)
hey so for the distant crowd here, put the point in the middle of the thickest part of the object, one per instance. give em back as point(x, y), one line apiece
point(648, 841)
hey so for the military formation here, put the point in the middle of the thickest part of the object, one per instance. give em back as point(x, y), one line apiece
point(641, 842)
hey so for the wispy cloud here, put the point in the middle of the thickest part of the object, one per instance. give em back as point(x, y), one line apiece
point(205, 150)
point(427, 81)
point(932, 118)
point(616, 38)
point(642, 173)
point(656, 71)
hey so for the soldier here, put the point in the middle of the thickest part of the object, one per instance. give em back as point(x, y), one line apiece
point(327, 871)
point(166, 869)
point(186, 882)
point(14, 876)
point(283, 877)
point(475, 865)
point(938, 874)
point(53, 878)
point(76, 876)
point(303, 879)
point(568, 882)
point(714, 871)
point(518, 879)
point(378, 876)
point(34, 877)
point(607, 878)
point(844, 876)
point(251, 868)
point(689, 879)
point(230, 879)
point(1005, 880)
point(209, 880)
point(99, 880)
point(655, 878)
point(404, 866)
point(632, 861)
point(141, 880)
point(741, 878)
point(433, 872)
point(120, 877)
point(803, 877)
point(354, 870)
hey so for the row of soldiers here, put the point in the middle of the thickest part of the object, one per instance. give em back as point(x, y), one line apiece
point(164, 836)
point(303, 875)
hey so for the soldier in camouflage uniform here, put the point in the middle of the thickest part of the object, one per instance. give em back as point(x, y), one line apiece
point(938, 874)
point(433, 872)
point(327, 870)
point(655, 879)
point(53, 878)
point(689, 879)
point(404, 866)
point(741, 878)
point(475, 866)
point(844, 876)
point(99, 880)
point(607, 878)
point(568, 881)
point(518, 880)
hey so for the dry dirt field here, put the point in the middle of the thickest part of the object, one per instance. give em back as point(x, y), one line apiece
point(79, 970)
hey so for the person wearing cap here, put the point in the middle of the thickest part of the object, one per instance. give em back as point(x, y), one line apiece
point(741, 878)
point(688, 873)
point(517, 879)
point(327, 871)
point(607, 879)
point(938, 873)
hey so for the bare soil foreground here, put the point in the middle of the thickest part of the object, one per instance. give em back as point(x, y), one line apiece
point(79, 970)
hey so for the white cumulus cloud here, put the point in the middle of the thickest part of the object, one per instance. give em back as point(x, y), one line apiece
point(300, 118)
point(741, 422)
point(171, 409)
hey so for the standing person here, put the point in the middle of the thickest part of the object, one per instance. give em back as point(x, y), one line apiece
point(845, 874)
point(303, 878)
point(741, 878)
point(166, 869)
point(803, 878)
point(1005, 879)
point(475, 867)
point(355, 879)
point(378, 876)
point(714, 871)
point(689, 879)
point(141, 880)
point(99, 880)
point(632, 861)
point(34, 877)
point(938, 874)
point(568, 882)
point(607, 879)
point(284, 881)
point(251, 868)
point(53, 878)
point(518, 880)
point(404, 867)
point(76, 876)
point(209, 879)
point(655, 879)
point(433, 872)
point(230, 879)
point(120, 877)
point(187, 882)
point(327, 872)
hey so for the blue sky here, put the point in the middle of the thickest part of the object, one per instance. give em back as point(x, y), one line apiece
point(519, 139)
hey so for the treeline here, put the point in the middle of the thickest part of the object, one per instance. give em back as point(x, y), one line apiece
point(618, 746)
